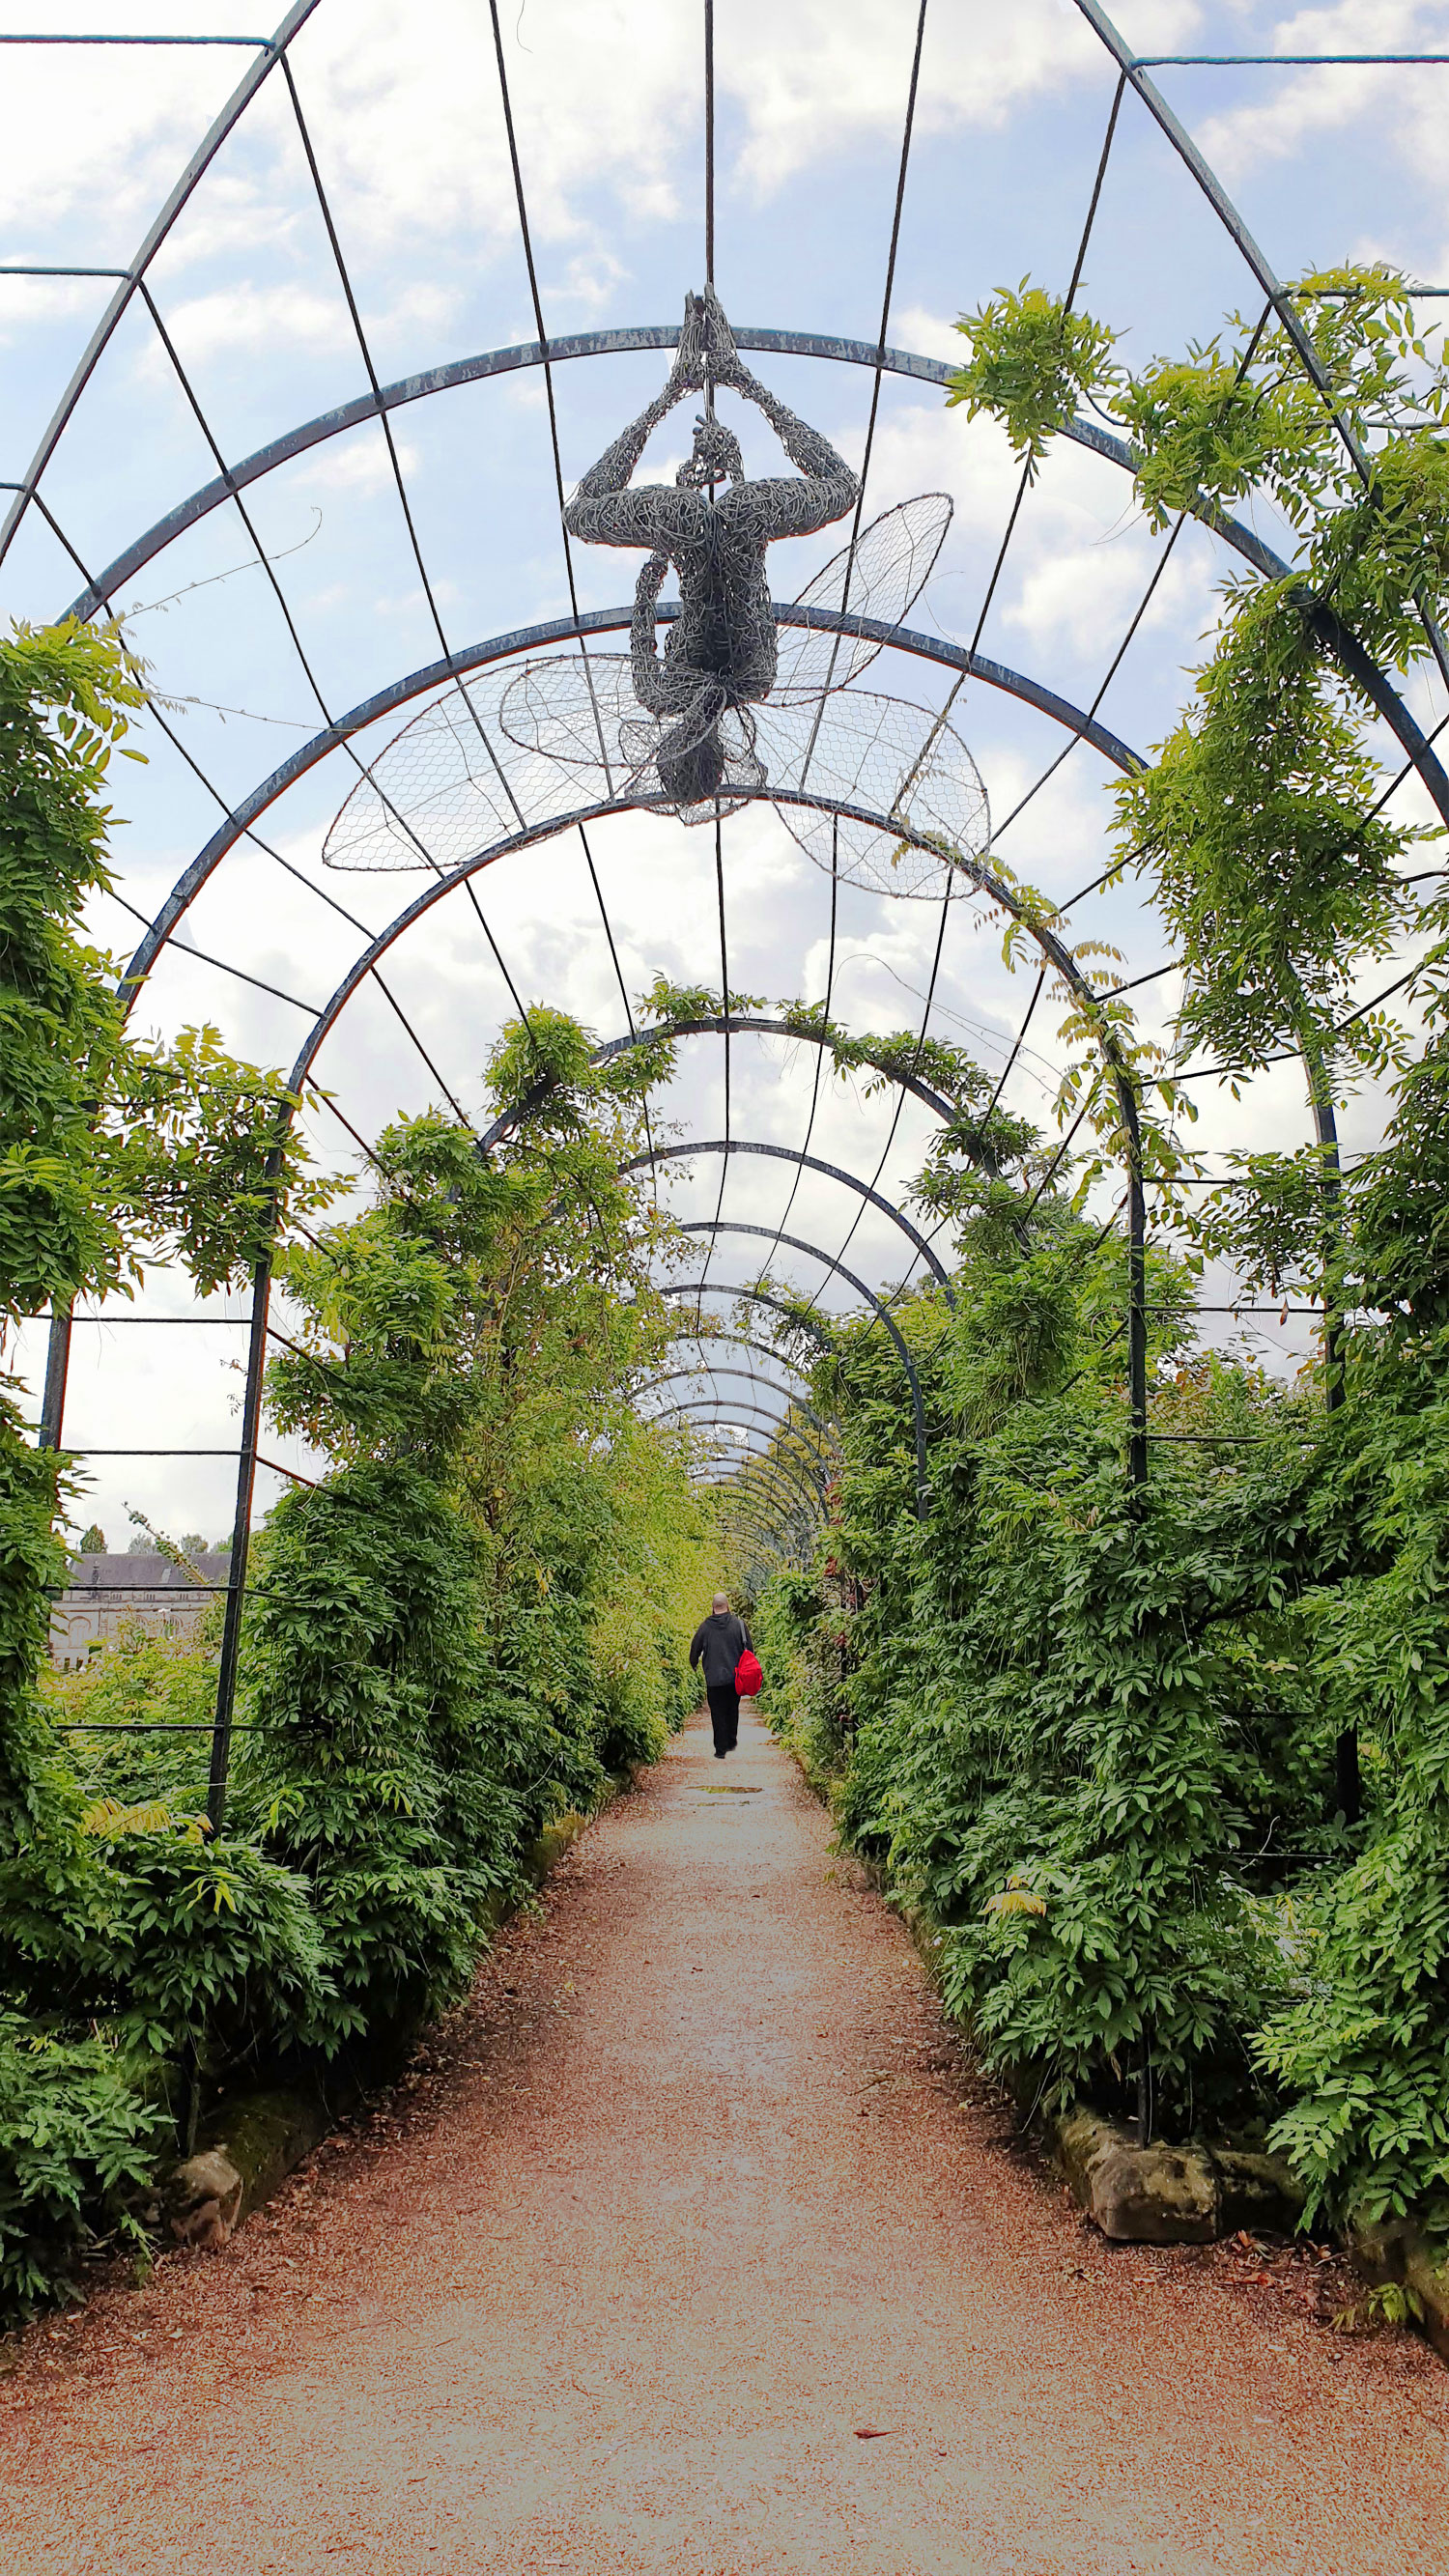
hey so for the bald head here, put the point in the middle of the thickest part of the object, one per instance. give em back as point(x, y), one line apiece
point(720, 1602)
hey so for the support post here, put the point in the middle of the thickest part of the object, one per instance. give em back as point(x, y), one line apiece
point(1136, 1293)
point(57, 1372)
point(1347, 1775)
point(246, 1476)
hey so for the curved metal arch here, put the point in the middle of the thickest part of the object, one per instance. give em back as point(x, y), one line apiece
point(763, 1462)
point(270, 53)
point(744, 1526)
point(751, 1377)
point(806, 1163)
point(755, 1296)
point(743, 1342)
point(562, 630)
point(995, 890)
point(809, 1508)
point(740, 1415)
point(747, 1024)
point(1360, 666)
point(736, 1225)
point(765, 1543)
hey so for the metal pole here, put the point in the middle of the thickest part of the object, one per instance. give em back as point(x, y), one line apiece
point(1347, 1775)
point(240, 1538)
point(57, 1371)
point(709, 142)
point(1136, 1294)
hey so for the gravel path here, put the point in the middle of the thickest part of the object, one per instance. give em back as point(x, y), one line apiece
point(689, 2200)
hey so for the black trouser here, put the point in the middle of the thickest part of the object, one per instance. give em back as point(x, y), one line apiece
point(724, 1715)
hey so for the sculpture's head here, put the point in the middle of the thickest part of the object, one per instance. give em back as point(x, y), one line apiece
point(717, 456)
point(691, 777)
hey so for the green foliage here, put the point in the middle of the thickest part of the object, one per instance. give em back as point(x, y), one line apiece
point(107, 1148)
point(1276, 876)
point(78, 2149)
point(1032, 361)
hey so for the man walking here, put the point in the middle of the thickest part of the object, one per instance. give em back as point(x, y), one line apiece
point(719, 1642)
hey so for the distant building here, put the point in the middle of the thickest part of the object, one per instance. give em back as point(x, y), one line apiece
point(104, 1590)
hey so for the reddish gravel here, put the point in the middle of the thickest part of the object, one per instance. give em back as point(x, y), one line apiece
point(689, 2197)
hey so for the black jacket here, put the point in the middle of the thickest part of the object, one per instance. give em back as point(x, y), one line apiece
point(721, 1639)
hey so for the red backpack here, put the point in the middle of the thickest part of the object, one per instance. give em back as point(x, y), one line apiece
point(748, 1676)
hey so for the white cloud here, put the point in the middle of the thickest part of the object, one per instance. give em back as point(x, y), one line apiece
point(254, 318)
point(357, 464)
point(1295, 111)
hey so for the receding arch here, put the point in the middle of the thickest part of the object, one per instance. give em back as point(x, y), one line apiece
point(736, 1414)
point(656, 1154)
point(828, 1261)
point(742, 1342)
point(751, 1377)
point(740, 1024)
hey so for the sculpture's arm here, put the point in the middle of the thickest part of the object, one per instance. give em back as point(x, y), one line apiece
point(805, 447)
point(603, 511)
point(643, 650)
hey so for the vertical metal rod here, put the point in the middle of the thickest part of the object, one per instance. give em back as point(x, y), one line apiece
point(57, 1371)
point(1347, 1775)
point(246, 1475)
point(709, 142)
point(1136, 1291)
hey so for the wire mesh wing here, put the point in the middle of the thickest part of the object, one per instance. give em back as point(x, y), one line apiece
point(898, 760)
point(444, 788)
point(880, 576)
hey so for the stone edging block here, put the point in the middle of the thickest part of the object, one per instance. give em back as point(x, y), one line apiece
point(1171, 2195)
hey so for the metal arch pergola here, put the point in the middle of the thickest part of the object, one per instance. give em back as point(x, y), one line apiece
point(767, 1462)
point(733, 1225)
point(657, 1154)
point(381, 401)
point(732, 1413)
point(749, 1377)
point(741, 1342)
point(746, 1024)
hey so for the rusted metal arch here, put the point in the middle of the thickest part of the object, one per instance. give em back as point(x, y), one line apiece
point(656, 1154)
point(590, 344)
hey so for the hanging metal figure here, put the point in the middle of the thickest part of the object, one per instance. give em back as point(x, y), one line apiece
point(720, 653)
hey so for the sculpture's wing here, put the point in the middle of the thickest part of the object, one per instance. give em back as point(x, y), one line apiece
point(889, 758)
point(483, 761)
point(433, 796)
point(568, 708)
point(880, 576)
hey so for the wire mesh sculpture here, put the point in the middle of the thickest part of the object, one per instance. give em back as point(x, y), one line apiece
point(720, 656)
point(732, 707)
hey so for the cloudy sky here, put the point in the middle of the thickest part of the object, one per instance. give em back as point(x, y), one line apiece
point(402, 107)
